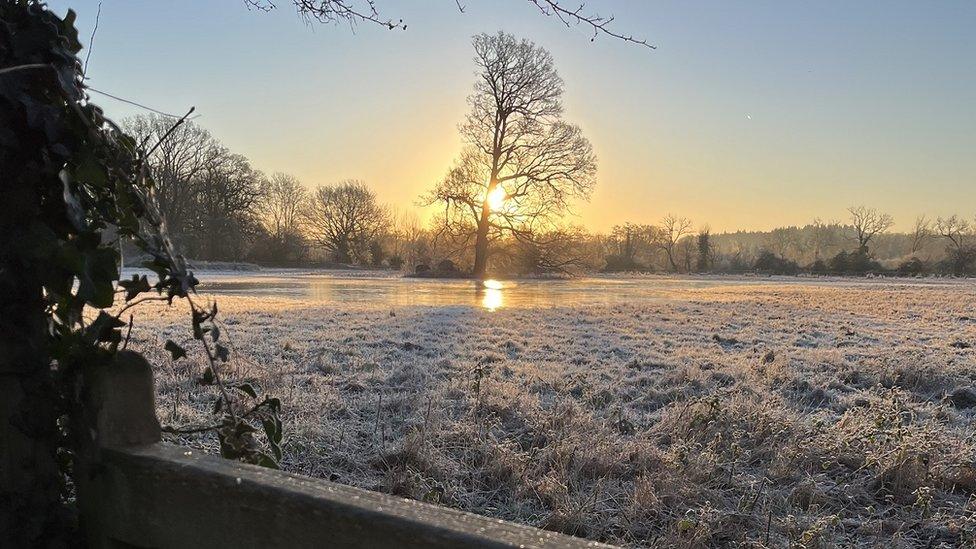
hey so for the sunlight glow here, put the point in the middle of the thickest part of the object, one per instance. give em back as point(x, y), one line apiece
point(492, 284)
point(492, 298)
point(496, 199)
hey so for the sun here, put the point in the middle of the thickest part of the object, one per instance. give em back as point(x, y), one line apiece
point(496, 199)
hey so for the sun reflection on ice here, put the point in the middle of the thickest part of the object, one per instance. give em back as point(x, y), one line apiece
point(492, 298)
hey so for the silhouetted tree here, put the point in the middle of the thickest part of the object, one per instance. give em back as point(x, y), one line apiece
point(781, 239)
point(207, 195)
point(281, 207)
point(960, 255)
point(175, 165)
point(628, 246)
point(523, 164)
point(954, 229)
point(868, 223)
point(224, 217)
point(280, 214)
point(673, 228)
point(345, 219)
point(704, 249)
point(921, 232)
point(822, 236)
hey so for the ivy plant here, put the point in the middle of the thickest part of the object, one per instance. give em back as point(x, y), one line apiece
point(72, 185)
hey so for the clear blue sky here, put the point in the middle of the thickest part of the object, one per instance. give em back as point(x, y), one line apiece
point(748, 115)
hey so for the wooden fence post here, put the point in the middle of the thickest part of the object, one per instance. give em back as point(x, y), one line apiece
point(123, 401)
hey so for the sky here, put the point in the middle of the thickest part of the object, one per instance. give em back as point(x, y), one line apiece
point(746, 116)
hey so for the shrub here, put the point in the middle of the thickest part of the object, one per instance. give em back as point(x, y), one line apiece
point(446, 266)
point(960, 261)
point(617, 263)
point(912, 267)
point(858, 262)
point(768, 262)
point(819, 267)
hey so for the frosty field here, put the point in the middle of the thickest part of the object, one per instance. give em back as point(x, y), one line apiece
point(693, 412)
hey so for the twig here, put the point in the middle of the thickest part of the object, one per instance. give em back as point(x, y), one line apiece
point(168, 132)
point(215, 426)
point(91, 40)
point(376, 422)
point(423, 436)
point(755, 500)
point(769, 522)
point(128, 333)
point(600, 25)
point(132, 304)
point(210, 356)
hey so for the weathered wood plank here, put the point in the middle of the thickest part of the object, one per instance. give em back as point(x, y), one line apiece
point(161, 495)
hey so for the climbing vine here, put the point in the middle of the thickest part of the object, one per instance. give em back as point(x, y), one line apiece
point(72, 186)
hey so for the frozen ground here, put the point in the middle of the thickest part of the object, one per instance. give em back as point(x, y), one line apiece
point(690, 412)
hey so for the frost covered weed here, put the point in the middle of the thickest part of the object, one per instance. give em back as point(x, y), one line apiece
point(762, 416)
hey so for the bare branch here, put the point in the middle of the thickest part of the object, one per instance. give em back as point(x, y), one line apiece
point(599, 25)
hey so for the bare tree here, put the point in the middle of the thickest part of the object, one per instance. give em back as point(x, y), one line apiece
point(344, 219)
point(868, 223)
point(822, 236)
point(562, 250)
point(673, 228)
point(781, 240)
point(954, 229)
point(175, 164)
point(686, 251)
point(405, 236)
point(227, 191)
point(353, 11)
point(523, 165)
point(921, 232)
point(629, 242)
point(281, 208)
point(207, 195)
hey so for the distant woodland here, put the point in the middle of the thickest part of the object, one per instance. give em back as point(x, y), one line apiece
point(220, 208)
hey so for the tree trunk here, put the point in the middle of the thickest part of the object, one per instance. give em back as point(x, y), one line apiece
point(342, 252)
point(481, 243)
point(670, 254)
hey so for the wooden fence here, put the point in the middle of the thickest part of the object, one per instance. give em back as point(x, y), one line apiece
point(140, 492)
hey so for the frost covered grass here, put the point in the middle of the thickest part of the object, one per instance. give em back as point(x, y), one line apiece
point(773, 415)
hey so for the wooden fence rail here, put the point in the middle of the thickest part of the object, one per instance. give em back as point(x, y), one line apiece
point(140, 492)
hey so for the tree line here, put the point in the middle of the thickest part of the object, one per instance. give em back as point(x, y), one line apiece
point(218, 207)
point(861, 244)
point(501, 207)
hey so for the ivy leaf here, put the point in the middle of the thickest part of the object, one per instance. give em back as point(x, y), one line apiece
point(222, 353)
point(274, 405)
point(175, 350)
point(135, 286)
point(264, 460)
point(249, 389)
point(208, 377)
point(272, 429)
point(104, 329)
point(97, 269)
